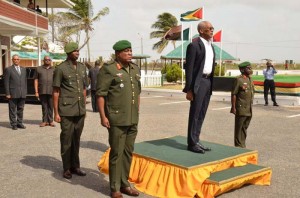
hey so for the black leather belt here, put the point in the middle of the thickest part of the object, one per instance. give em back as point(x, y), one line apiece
point(205, 75)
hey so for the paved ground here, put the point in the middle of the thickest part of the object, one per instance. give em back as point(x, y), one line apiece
point(31, 165)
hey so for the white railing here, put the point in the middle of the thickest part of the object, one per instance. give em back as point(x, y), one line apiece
point(148, 80)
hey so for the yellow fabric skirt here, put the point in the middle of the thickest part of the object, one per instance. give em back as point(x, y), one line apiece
point(161, 179)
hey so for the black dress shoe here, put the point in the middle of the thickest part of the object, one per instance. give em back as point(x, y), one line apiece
point(204, 147)
point(266, 104)
point(77, 171)
point(14, 128)
point(129, 191)
point(67, 174)
point(21, 126)
point(275, 104)
point(196, 149)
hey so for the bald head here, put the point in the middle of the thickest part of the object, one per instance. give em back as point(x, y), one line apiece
point(205, 30)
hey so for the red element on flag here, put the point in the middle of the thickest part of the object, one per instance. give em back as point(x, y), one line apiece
point(199, 14)
point(217, 36)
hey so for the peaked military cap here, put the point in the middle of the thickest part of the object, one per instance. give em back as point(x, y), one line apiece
point(121, 45)
point(244, 64)
point(70, 47)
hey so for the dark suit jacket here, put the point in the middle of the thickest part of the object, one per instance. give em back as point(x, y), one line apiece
point(15, 84)
point(195, 59)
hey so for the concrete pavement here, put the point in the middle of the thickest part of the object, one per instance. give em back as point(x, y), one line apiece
point(31, 164)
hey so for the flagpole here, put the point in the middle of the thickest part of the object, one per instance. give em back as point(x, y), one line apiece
point(221, 51)
point(181, 54)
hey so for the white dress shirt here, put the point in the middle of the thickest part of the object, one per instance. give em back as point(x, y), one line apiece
point(209, 56)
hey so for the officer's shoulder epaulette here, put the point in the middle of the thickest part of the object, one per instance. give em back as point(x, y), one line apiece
point(62, 63)
point(109, 63)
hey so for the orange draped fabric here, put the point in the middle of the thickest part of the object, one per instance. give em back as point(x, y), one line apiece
point(161, 179)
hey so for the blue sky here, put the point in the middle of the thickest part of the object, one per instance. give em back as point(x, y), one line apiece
point(252, 30)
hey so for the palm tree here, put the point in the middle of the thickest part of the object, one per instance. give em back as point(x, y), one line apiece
point(80, 18)
point(164, 23)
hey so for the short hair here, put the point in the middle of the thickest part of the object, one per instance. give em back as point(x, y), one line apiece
point(15, 56)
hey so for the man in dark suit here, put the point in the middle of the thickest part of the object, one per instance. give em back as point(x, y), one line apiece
point(199, 68)
point(15, 83)
point(93, 72)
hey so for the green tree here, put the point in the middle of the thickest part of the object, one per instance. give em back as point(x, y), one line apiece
point(79, 18)
point(173, 73)
point(164, 23)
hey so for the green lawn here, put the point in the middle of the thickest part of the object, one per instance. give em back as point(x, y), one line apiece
point(280, 78)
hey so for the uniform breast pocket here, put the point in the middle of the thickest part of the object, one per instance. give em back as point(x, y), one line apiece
point(116, 115)
point(70, 79)
point(240, 105)
point(116, 80)
point(67, 101)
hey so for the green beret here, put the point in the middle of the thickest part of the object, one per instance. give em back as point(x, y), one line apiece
point(70, 47)
point(244, 64)
point(121, 45)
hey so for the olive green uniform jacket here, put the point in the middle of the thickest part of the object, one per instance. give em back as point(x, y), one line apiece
point(121, 91)
point(243, 88)
point(71, 82)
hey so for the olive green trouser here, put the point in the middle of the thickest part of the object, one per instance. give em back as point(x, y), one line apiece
point(71, 129)
point(121, 141)
point(240, 130)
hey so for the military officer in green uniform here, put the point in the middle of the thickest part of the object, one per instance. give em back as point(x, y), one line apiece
point(118, 92)
point(69, 97)
point(241, 103)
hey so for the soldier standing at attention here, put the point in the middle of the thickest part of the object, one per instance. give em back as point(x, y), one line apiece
point(241, 103)
point(118, 91)
point(69, 97)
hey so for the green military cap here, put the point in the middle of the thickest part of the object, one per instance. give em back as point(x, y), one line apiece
point(244, 64)
point(121, 45)
point(70, 47)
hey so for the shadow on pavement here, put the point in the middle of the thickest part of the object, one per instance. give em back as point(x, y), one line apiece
point(93, 180)
point(25, 122)
point(5, 124)
point(33, 122)
point(94, 145)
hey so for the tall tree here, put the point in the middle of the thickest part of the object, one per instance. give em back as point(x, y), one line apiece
point(164, 23)
point(79, 18)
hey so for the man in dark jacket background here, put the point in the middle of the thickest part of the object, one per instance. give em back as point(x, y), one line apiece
point(15, 82)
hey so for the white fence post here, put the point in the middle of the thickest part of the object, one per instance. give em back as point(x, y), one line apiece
point(148, 80)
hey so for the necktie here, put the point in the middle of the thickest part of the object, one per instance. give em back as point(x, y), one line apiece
point(18, 69)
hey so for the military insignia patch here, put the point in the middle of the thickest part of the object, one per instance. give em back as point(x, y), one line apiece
point(119, 75)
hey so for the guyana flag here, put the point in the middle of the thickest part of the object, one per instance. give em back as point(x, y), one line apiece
point(194, 15)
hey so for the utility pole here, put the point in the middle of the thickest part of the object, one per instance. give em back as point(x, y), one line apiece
point(141, 43)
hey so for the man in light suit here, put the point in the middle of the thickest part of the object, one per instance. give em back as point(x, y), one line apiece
point(15, 82)
point(199, 67)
